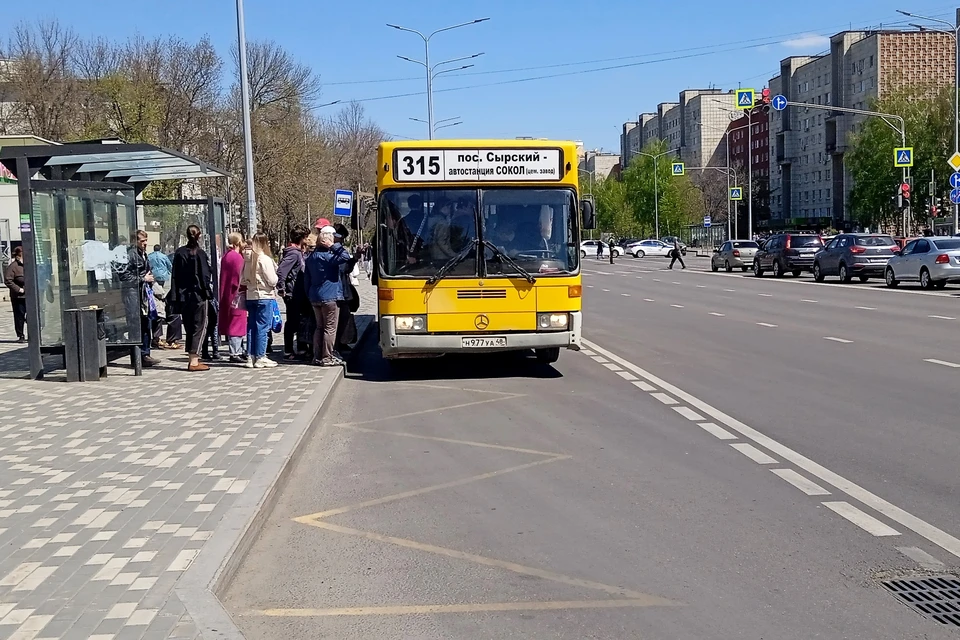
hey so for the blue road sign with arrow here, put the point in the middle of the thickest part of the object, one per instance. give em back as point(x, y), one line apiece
point(779, 103)
point(955, 196)
point(955, 181)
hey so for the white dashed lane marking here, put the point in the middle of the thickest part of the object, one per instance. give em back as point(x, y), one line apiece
point(766, 324)
point(807, 486)
point(719, 315)
point(921, 557)
point(649, 300)
point(689, 414)
point(765, 295)
point(944, 363)
point(717, 431)
point(840, 340)
point(866, 498)
point(866, 308)
point(678, 306)
point(753, 453)
point(866, 522)
point(811, 301)
point(941, 317)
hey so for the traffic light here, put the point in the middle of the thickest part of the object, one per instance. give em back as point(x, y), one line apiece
point(905, 193)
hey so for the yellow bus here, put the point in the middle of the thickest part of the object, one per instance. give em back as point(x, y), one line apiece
point(478, 247)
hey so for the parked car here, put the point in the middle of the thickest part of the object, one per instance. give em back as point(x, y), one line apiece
point(669, 240)
point(787, 253)
point(734, 254)
point(933, 262)
point(649, 248)
point(854, 254)
point(589, 248)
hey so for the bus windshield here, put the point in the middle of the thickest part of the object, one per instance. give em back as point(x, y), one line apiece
point(421, 230)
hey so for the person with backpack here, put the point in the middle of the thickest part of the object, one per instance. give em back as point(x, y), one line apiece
point(290, 289)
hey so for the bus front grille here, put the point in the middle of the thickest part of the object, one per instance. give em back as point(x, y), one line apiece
point(481, 294)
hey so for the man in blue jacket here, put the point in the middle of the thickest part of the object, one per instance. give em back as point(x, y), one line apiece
point(324, 289)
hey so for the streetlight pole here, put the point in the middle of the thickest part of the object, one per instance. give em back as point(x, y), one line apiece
point(426, 62)
point(955, 28)
point(247, 135)
point(731, 228)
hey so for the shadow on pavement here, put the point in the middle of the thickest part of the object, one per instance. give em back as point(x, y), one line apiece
point(366, 363)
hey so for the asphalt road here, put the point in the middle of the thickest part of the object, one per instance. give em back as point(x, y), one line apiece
point(730, 458)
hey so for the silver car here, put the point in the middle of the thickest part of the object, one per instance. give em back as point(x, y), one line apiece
point(933, 262)
point(734, 254)
point(649, 248)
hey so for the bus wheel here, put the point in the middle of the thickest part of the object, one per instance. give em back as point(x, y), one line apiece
point(548, 356)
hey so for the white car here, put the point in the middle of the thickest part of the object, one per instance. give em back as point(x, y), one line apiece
point(649, 248)
point(589, 248)
point(932, 261)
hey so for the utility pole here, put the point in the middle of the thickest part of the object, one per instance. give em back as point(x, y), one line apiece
point(247, 135)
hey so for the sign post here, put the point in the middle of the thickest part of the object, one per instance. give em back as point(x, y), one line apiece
point(343, 203)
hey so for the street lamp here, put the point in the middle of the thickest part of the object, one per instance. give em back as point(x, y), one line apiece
point(426, 62)
point(247, 136)
point(955, 28)
point(656, 193)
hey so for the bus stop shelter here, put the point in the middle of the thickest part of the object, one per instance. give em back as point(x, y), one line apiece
point(80, 209)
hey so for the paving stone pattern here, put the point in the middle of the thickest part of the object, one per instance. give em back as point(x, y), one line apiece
point(109, 490)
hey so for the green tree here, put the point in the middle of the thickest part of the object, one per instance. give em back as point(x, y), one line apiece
point(678, 200)
point(928, 115)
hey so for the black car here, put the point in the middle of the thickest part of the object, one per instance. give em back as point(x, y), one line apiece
point(787, 253)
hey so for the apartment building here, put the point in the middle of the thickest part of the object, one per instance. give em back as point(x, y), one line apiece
point(694, 126)
point(598, 164)
point(809, 183)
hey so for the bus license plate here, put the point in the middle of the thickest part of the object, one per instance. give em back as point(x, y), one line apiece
point(483, 343)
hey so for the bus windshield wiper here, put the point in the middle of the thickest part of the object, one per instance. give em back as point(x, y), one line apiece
point(510, 261)
point(454, 261)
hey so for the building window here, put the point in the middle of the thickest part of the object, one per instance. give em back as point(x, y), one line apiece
point(828, 193)
point(871, 62)
point(828, 98)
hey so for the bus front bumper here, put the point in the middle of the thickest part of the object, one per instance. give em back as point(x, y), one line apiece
point(395, 344)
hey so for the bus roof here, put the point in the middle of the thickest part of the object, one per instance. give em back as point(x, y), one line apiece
point(469, 162)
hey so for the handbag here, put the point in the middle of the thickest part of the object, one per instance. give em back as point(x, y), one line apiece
point(277, 318)
point(354, 299)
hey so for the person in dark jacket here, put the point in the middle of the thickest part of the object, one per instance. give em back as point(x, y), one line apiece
point(289, 274)
point(135, 275)
point(324, 289)
point(13, 279)
point(191, 292)
point(345, 318)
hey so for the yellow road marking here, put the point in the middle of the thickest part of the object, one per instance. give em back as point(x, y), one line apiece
point(434, 410)
point(493, 562)
point(401, 610)
point(471, 443)
point(312, 518)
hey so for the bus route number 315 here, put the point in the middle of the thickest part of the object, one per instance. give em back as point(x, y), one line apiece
point(420, 165)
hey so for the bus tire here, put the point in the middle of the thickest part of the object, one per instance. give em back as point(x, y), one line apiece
point(548, 356)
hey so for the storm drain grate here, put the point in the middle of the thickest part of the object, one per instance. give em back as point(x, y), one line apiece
point(936, 597)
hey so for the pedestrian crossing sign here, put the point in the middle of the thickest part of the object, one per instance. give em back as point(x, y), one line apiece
point(903, 157)
point(745, 98)
point(736, 193)
point(678, 169)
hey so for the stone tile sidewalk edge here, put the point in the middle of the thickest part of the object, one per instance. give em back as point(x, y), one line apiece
point(215, 567)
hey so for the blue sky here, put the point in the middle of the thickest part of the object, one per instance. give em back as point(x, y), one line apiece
point(348, 44)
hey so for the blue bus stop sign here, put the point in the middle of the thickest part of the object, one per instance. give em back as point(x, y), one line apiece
point(343, 203)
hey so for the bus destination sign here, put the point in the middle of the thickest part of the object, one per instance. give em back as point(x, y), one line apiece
point(481, 165)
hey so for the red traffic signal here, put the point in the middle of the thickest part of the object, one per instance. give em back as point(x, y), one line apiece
point(933, 211)
point(905, 190)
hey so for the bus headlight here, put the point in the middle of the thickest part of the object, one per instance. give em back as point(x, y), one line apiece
point(411, 324)
point(546, 321)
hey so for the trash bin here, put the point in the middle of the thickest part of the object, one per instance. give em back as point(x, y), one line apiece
point(85, 344)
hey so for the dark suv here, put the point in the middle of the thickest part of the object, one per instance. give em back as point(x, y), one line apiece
point(854, 254)
point(787, 253)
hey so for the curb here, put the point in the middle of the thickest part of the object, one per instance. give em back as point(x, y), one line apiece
point(211, 573)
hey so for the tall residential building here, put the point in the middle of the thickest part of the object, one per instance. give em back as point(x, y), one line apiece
point(694, 126)
point(598, 164)
point(809, 182)
point(750, 145)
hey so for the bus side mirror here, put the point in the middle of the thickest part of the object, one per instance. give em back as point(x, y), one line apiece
point(588, 215)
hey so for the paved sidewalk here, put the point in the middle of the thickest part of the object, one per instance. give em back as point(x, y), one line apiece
point(109, 490)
